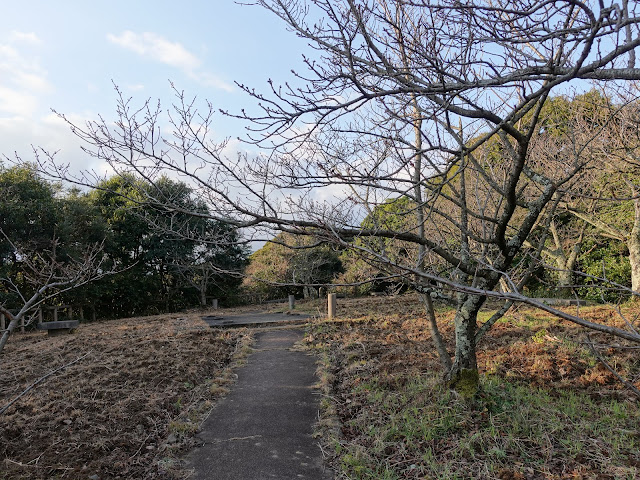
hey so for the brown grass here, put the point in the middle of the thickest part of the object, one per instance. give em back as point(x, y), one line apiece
point(143, 381)
point(548, 409)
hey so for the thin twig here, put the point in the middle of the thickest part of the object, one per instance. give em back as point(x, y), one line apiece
point(629, 324)
point(40, 380)
point(141, 445)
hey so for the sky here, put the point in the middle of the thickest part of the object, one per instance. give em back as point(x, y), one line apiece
point(67, 55)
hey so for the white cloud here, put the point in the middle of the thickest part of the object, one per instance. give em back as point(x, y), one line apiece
point(154, 46)
point(233, 148)
point(8, 53)
point(52, 134)
point(15, 102)
point(330, 193)
point(211, 80)
point(32, 82)
point(135, 88)
point(22, 79)
point(24, 37)
point(159, 49)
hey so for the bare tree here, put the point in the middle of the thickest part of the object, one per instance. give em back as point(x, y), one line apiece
point(47, 275)
point(437, 102)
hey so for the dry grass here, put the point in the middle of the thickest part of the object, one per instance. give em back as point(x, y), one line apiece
point(131, 406)
point(548, 409)
point(125, 410)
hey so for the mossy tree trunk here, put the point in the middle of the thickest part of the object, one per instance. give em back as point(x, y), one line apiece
point(463, 376)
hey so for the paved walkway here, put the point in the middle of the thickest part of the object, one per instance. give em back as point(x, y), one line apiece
point(262, 429)
point(254, 318)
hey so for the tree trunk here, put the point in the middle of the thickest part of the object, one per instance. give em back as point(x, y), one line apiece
point(203, 297)
point(565, 281)
point(565, 263)
point(633, 242)
point(565, 275)
point(13, 323)
point(463, 376)
point(504, 286)
point(634, 259)
point(445, 359)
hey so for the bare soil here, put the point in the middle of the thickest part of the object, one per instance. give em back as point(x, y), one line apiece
point(127, 407)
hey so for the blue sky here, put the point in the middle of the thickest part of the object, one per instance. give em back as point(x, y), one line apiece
point(65, 55)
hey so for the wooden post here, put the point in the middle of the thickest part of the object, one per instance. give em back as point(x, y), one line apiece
point(331, 305)
point(292, 302)
point(81, 313)
point(2, 322)
point(70, 313)
point(93, 313)
point(55, 314)
point(40, 319)
point(22, 324)
point(214, 303)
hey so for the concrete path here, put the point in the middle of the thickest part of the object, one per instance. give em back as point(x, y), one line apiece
point(256, 318)
point(263, 428)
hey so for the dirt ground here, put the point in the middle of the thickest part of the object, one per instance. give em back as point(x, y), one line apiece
point(128, 403)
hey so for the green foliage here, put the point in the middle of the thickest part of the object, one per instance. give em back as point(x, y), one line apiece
point(30, 234)
point(116, 199)
point(166, 260)
point(172, 259)
point(292, 262)
point(561, 113)
point(27, 210)
point(605, 259)
point(394, 215)
point(564, 123)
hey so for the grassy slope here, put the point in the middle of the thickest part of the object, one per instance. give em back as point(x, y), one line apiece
point(547, 408)
point(126, 409)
